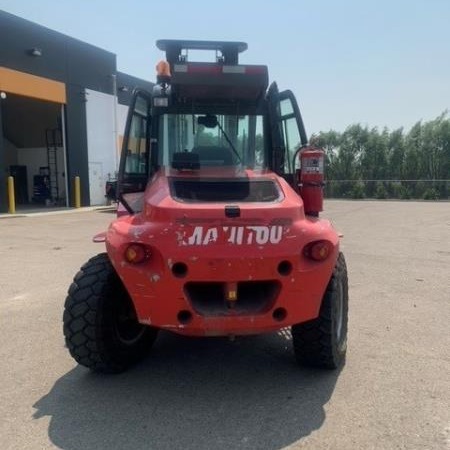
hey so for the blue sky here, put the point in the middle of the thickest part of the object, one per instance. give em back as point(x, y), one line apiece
point(378, 63)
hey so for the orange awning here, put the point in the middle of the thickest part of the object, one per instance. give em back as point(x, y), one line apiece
point(22, 83)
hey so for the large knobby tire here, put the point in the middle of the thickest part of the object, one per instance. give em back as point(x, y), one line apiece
point(100, 324)
point(322, 342)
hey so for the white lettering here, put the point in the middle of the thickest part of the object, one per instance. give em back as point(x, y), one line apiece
point(276, 234)
point(210, 236)
point(262, 234)
point(239, 235)
point(250, 235)
point(232, 238)
point(196, 238)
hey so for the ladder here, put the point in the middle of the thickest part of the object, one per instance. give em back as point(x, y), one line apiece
point(53, 140)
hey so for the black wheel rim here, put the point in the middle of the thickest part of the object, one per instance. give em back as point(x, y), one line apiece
point(127, 328)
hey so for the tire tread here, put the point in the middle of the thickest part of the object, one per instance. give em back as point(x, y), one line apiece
point(85, 332)
point(313, 341)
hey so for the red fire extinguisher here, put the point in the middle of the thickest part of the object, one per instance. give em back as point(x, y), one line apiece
point(312, 179)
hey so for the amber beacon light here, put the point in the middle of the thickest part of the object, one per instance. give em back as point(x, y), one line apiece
point(163, 69)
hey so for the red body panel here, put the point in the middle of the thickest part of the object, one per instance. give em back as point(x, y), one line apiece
point(222, 251)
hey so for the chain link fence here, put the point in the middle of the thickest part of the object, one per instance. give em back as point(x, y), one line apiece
point(386, 189)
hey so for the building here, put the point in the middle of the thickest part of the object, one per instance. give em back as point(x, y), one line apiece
point(62, 113)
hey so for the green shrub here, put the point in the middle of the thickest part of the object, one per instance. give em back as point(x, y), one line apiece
point(380, 192)
point(431, 194)
point(394, 190)
point(404, 193)
point(357, 191)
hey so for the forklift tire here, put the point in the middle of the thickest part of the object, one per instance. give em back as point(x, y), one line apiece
point(100, 324)
point(322, 342)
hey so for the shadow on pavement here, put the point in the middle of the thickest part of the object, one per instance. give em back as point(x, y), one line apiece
point(192, 393)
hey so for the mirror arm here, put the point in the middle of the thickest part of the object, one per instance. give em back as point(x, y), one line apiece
point(125, 203)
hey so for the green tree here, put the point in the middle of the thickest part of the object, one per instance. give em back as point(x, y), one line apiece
point(360, 154)
point(395, 154)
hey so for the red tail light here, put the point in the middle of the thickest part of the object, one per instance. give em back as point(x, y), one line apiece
point(137, 253)
point(318, 250)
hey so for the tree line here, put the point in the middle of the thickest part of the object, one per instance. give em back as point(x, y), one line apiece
point(369, 162)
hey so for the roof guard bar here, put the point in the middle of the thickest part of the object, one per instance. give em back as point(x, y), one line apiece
point(173, 48)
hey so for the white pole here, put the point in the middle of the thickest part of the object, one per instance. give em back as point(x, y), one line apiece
point(116, 132)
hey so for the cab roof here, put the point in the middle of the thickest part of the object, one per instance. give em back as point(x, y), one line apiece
point(174, 48)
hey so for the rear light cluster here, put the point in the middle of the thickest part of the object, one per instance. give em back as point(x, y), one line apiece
point(137, 253)
point(318, 250)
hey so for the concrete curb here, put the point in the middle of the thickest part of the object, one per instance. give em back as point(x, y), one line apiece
point(57, 212)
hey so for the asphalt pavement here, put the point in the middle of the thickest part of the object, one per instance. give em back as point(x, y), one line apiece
point(193, 393)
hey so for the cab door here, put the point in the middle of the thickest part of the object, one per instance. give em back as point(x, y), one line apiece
point(135, 159)
point(287, 131)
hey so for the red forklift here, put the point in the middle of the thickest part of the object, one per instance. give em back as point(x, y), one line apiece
point(218, 230)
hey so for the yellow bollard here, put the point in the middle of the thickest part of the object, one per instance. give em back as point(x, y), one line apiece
point(77, 193)
point(11, 196)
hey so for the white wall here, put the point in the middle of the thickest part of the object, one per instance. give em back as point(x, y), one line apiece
point(122, 112)
point(101, 140)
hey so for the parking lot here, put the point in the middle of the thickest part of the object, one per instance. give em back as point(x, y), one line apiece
point(393, 393)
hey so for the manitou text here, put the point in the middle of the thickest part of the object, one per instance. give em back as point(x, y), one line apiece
point(236, 235)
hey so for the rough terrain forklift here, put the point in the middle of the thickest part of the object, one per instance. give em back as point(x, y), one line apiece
point(218, 230)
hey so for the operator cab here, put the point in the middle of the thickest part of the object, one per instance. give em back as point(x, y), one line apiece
point(210, 127)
